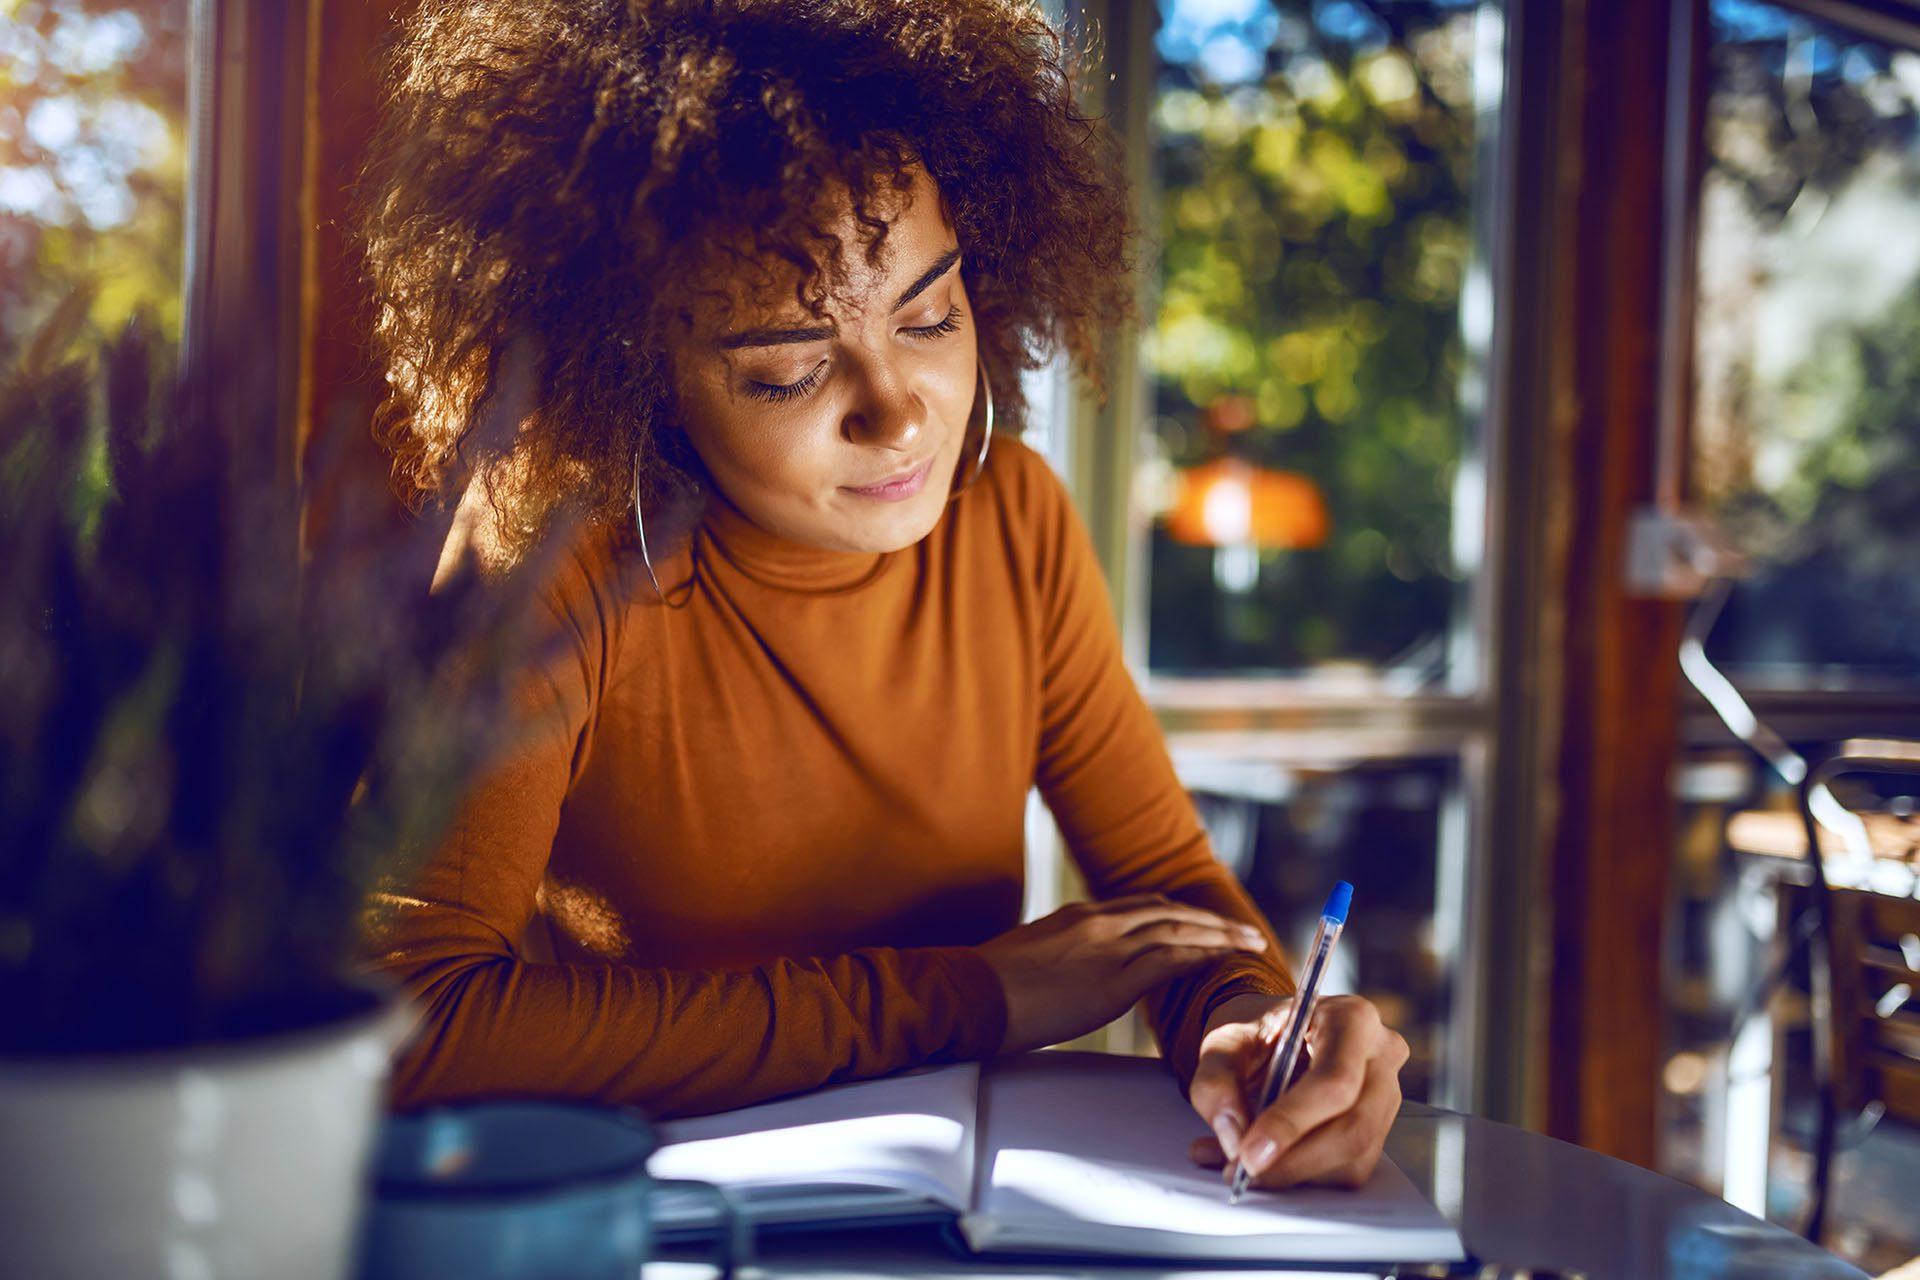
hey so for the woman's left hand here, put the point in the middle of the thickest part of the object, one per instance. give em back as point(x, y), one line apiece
point(1329, 1127)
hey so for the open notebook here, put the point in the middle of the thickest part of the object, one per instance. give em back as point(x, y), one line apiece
point(1053, 1152)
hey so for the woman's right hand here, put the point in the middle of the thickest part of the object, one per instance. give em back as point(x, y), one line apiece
point(1086, 964)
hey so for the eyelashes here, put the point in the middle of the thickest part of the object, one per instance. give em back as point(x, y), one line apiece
point(787, 390)
point(947, 325)
point(778, 391)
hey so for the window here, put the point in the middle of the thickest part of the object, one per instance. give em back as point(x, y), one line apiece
point(1296, 528)
point(93, 142)
point(1309, 357)
point(1807, 351)
point(1804, 446)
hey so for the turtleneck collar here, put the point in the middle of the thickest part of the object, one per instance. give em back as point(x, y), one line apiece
point(774, 561)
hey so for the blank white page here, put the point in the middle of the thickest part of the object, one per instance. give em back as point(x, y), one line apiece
point(1089, 1153)
point(909, 1132)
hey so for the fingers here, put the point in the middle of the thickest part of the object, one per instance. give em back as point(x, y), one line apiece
point(1344, 1151)
point(1157, 920)
point(1134, 919)
point(1133, 910)
point(1329, 1126)
point(1139, 941)
point(1217, 1090)
point(1151, 966)
point(1206, 1153)
point(1172, 937)
point(1140, 910)
point(1150, 920)
point(1341, 1033)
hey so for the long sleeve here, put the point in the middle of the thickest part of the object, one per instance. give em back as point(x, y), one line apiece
point(672, 1041)
point(1104, 771)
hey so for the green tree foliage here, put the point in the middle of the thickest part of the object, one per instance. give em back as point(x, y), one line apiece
point(1315, 233)
point(93, 137)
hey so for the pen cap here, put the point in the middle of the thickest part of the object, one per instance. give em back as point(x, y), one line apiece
point(1337, 903)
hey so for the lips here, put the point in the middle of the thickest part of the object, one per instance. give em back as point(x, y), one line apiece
point(896, 478)
point(895, 488)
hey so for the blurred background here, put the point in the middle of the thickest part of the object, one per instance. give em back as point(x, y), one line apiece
point(1497, 354)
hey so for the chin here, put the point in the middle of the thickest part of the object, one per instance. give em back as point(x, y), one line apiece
point(898, 525)
point(900, 529)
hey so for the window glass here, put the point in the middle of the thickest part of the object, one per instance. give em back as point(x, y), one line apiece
point(1310, 371)
point(1805, 446)
point(1806, 432)
point(1740, 1120)
point(93, 139)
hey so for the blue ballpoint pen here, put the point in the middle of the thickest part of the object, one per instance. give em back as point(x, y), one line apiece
point(1287, 1052)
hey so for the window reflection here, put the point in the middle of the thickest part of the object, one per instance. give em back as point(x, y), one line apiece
point(1806, 431)
point(1805, 446)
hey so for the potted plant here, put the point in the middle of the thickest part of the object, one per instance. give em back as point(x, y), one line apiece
point(213, 743)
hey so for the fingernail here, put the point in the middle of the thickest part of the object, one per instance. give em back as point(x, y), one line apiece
point(1250, 934)
point(1259, 1153)
point(1226, 1127)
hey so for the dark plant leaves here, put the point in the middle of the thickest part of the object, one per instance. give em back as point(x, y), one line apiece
point(214, 740)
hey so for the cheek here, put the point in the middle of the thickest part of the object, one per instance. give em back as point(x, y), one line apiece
point(768, 449)
point(958, 373)
point(795, 447)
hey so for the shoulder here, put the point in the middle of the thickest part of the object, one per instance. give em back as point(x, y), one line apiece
point(575, 570)
point(1013, 465)
point(1024, 486)
point(1038, 525)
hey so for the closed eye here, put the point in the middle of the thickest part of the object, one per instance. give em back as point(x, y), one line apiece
point(777, 391)
point(927, 331)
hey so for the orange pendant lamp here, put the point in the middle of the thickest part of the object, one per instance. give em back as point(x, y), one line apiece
point(1231, 502)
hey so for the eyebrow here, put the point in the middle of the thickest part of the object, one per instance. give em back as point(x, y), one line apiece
point(778, 337)
point(927, 277)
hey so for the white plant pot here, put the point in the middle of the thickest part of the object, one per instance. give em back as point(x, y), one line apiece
point(246, 1159)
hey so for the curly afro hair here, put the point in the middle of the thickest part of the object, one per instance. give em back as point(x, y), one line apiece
point(556, 176)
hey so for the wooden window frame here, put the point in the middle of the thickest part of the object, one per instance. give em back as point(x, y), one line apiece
point(241, 289)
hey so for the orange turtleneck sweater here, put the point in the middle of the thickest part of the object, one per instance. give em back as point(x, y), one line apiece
point(747, 847)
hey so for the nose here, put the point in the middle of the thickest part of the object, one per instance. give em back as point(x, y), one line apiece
point(888, 413)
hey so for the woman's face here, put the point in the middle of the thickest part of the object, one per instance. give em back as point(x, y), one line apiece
point(794, 417)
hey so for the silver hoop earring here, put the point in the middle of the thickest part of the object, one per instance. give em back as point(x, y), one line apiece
point(640, 527)
point(986, 440)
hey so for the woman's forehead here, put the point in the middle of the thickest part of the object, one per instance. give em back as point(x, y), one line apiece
point(746, 280)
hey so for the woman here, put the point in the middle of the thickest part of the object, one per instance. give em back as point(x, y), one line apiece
point(779, 267)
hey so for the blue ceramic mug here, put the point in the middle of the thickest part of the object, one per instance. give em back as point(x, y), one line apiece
point(513, 1190)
